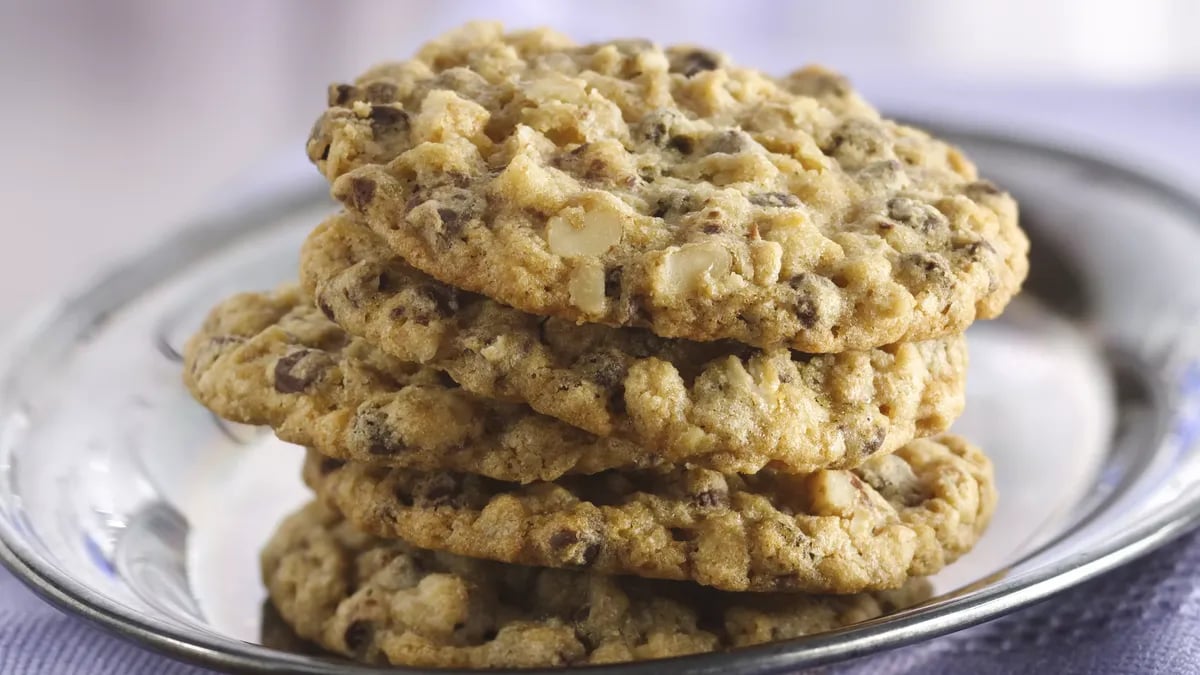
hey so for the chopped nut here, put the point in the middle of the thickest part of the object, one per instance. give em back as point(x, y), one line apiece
point(832, 493)
point(587, 287)
point(591, 234)
point(767, 257)
point(689, 267)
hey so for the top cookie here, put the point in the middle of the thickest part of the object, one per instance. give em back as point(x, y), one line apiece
point(624, 184)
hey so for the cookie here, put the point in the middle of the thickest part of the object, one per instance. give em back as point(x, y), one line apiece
point(275, 359)
point(388, 602)
point(835, 531)
point(624, 184)
point(685, 399)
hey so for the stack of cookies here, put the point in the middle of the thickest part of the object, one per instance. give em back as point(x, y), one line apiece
point(616, 352)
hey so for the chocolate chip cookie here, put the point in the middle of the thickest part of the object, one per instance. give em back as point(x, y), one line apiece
point(275, 359)
point(681, 397)
point(388, 602)
point(836, 531)
point(630, 185)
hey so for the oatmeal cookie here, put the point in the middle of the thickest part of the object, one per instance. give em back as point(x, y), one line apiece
point(275, 359)
point(387, 602)
point(835, 531)
point(630, 185)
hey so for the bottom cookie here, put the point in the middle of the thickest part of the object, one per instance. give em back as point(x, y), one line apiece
point(387, 602)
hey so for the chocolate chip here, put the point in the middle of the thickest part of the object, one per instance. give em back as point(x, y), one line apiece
point(656, 132)
point(682, 144)
point(362, 192)
point(775, 200)
point(591, 552)
point(581, 613)
point(696, 61)
point(916, 214)
point(806, 311)
point(612, 282)
point(710, 498)
point(655, 127)
point(566, 543)
point(358, 636)
point(329, 465)
point(385, 118)
point(341, 94)
point(857, 142)
point(675, 202)
point(564, 538)
point(296, 371)
point(371, 429)
point(921, 271)
point(713, 228)
point(381, 92)
point(430, 302)
point(455, 208)
point(325, 309)
point(731, 142)
point(450, 219)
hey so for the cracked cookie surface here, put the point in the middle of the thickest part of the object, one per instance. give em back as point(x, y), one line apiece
point(686, 399)
point(388, 602)
point(835, 531)
point(625, 184)
point(275, 359)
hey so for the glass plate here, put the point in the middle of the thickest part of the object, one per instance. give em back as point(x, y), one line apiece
point(124, 501)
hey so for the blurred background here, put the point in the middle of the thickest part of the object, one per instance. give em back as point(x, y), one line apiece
point(123, 119)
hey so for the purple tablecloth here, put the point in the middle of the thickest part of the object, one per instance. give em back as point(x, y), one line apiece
point(1142, 618)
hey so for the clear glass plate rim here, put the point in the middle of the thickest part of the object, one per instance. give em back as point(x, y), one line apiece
point(950, 614)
